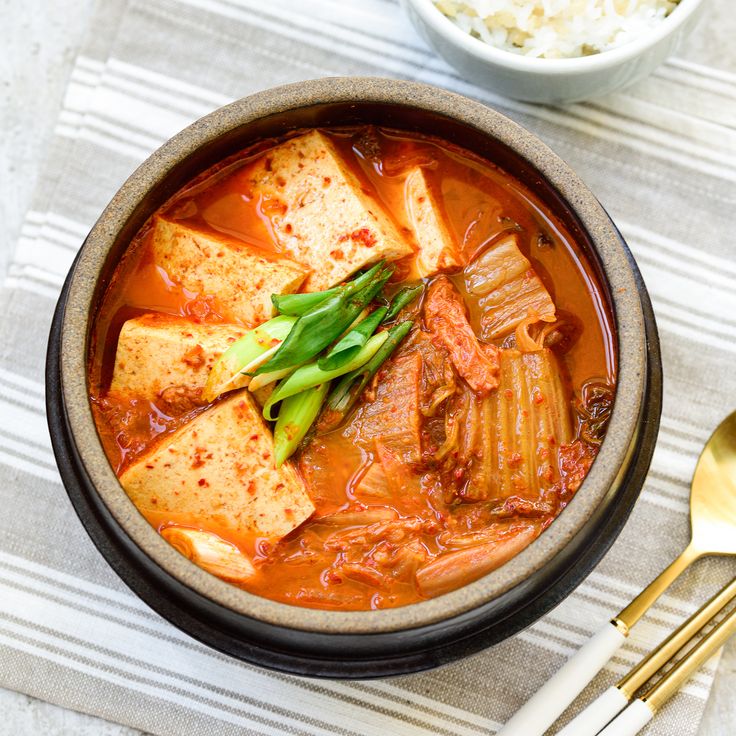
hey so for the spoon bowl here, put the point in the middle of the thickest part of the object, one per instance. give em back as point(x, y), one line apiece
point(713, 494)
point(712, 517)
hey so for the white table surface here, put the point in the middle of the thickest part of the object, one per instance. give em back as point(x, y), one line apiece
point(39, 41)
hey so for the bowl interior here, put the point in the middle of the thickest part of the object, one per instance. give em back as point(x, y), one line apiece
point(398, 105)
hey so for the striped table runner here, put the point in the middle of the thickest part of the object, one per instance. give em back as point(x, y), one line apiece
point(662, 159)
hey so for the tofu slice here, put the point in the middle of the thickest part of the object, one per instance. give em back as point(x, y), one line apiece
point(167, 359)
point(240, 276)
point(437, 249)
point(219, 469)
point(320, 213)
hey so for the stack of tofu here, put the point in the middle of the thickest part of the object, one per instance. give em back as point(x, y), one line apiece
point(219, 467)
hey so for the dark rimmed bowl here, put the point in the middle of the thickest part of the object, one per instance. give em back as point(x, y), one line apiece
point(364, 643)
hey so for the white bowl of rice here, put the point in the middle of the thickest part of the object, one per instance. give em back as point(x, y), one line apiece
point(554, 50)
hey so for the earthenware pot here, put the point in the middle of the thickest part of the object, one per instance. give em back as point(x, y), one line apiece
point(370, 643)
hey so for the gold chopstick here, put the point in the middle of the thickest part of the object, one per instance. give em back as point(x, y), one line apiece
point(653, 662)
point(641, 710)
point(613, 700)
point(673, 680)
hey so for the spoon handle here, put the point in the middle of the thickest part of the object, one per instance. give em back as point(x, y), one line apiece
point(551, 700)
point(641, 710)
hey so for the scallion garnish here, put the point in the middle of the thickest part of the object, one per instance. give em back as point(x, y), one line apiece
point(243, 355)
point(312, 375)
point(317, 328)
point(299, 304)
point(352, 384)
point(296, 416)
point(401, 299)
point(287, 349)
point(347, 347)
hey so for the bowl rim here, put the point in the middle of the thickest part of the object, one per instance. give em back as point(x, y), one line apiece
point(606, 472)
point(443, 26)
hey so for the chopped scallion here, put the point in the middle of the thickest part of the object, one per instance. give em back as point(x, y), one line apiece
point(316, 329)
point(242, 355)
point(349, 345)
point(299, 304)
point(351, 386)
point(296, 416)
point(403, 298)
point(312, 375)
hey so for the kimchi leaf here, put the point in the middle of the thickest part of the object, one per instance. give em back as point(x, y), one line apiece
point(507, 289)
point(511, 439)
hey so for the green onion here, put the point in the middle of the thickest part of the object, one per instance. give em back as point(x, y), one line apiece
point(296, 416)
point(403, 298)
point(349, 345)
point(243, 355)
point(316, 329)
point(299, 304)
point(311, 375)
point(263, 379)
point(352, 384)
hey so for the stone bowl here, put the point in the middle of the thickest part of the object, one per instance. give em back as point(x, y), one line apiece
point(362, 643)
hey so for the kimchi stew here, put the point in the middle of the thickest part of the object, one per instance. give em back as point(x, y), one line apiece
point(352, 368)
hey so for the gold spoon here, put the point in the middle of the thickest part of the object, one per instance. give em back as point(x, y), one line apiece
point(713, 532)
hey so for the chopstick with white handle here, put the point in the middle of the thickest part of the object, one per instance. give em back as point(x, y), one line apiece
point(643, 709)
point(544, 707)
point(548, 703)
point(595, 717)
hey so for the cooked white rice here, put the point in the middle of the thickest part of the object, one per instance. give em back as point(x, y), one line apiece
point(555, 29)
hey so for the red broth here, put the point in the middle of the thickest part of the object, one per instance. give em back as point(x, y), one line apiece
point(361, 549)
